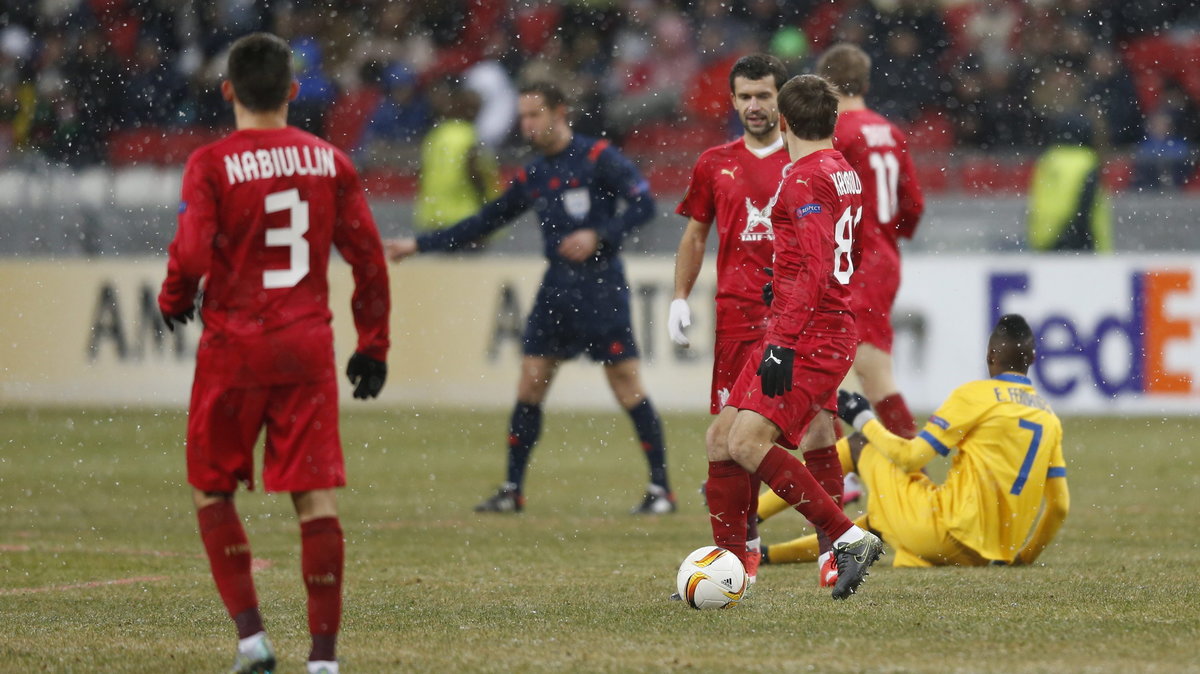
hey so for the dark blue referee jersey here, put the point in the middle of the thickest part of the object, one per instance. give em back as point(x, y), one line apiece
point(580, 306)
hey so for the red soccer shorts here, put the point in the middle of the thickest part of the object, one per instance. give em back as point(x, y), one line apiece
point(875, 284)
point(818, 369)
point(303, 450)
point(729, 357)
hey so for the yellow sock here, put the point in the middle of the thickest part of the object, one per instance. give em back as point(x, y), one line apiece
point(803, 549)
point(843, 450)
point(769, 504)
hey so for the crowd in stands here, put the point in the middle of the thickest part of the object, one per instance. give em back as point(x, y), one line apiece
point(80, 78)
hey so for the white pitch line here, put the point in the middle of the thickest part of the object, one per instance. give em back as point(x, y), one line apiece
point(81, 586)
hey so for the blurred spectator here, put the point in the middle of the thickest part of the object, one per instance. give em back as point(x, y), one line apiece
point(1164, 158)
point(790, 45)
point(95, 86)
point(403, 115)
point(494, 88)
point(458, 175)
point(992, 31)
point(990, 75)
point(154, 92)
point(656, 60)
point(317, 92)
point(1109, 90)
point(904, 78)
point(1069, 209)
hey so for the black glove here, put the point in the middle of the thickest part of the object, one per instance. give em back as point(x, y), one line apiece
point(769, 288)
point(851, 407)
point(775, 370)
point(181, 318)
point(367, 375)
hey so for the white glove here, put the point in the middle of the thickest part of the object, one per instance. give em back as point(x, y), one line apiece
point(680, 318)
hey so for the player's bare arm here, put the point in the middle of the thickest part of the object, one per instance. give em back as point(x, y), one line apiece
point(688, 261)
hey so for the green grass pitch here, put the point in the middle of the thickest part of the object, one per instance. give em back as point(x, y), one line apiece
point(101, 569)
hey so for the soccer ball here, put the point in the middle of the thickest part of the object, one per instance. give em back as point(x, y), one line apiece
point(711, 577)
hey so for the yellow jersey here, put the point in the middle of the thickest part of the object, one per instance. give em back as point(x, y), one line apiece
point(447, 193)
point(1009, 443)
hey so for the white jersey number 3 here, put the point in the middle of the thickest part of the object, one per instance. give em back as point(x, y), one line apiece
point(291, 236)
point(843, 235)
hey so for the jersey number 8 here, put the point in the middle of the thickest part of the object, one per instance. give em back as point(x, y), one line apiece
point(843, 235)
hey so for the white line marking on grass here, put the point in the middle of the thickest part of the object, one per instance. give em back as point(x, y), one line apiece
point(82, 586)
point(256, 564)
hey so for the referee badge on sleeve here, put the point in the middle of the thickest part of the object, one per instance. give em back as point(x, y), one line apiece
point(577, 202)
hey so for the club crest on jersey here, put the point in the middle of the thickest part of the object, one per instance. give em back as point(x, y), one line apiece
point(758, 223)
point(577, 202)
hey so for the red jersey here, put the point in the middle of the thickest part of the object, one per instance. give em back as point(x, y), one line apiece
point(815, 217)
point(878, 152)
point(260, 210)
point(734, 185)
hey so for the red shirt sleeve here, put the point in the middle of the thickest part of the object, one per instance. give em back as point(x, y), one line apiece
point(809, 250)
point(190, 253)
point(912, 201)
point(698, 201)
point(357, 239)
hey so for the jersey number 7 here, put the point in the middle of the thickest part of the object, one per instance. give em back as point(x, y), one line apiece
point(291, 236)
point(1027, 464)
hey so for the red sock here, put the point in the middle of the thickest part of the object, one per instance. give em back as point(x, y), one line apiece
point(788, 477)
point(752, 509)
point(322, 556)
point(826, 469)
point(893, 413)
point(728, 501)
point(229, 559)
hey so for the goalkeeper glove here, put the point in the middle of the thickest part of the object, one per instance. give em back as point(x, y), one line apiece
point(775, 370)
point(367, 375)
point(180, 318)
point(854, 409)
point(769, 287)
point(679, 318)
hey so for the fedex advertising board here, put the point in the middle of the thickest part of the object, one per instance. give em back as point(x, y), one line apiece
point(1115, 335)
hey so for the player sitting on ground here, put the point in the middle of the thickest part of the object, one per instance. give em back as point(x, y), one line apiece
point(1009, 461)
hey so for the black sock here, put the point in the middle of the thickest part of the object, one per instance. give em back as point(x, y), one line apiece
point(523, 431)
point(649, 431)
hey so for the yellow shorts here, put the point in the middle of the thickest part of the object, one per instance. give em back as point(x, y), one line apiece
point(903, 507)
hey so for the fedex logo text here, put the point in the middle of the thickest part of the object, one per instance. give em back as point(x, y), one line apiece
point(1124, 347)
